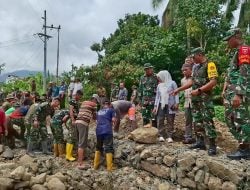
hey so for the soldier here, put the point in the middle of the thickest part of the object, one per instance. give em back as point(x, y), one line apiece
point(204, 78)
point(57, 130)
point(114, 92)
point(237, 94)
point(147, 92)
point(73, 111)
point(39, 124)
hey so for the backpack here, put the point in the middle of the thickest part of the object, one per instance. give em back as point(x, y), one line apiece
point(244, 55)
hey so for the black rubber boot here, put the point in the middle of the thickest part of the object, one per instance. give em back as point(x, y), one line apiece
point(200, 143)
point(30, 148)
point(243, 152)
point(212, 147)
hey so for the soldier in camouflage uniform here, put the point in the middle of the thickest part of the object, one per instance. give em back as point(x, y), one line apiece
point(204, 78)
point(73, 111)
point(239, 91)
point(39, 128)
point(57, 130)
point(147, 92)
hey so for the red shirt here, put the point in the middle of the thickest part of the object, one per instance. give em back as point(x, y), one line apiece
point(2, 121)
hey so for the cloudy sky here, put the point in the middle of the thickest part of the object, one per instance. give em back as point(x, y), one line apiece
point(83, 22)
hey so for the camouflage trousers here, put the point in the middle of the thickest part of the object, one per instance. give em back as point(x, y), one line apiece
point(242, 120)
point(203, 113)
point(37, 133)
point(147, 115)
point(71, 139)
point(57, 131)
point(20, 123)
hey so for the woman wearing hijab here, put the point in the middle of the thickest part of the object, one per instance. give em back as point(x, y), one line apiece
point(166, 105)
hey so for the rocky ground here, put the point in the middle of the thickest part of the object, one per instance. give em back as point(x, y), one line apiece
point(159, 166)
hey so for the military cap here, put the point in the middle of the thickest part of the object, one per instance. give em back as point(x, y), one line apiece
point(231, 33)
point(147, 65)
point(9, 96)
point(197, 50)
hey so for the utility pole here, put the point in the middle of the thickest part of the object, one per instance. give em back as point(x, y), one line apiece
point(57, 60)
point(45, 38)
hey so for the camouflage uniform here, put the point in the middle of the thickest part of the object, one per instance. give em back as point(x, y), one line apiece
point(72, 133)
point(42, 111)
point(202, 105)
point(28, 119)
point(147, 93)
point(231, 80)
point(56, 126)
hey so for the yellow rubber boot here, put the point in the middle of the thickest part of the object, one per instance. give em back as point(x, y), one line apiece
point(69, 149)
point(61, 150)
point(109, 160)
point(56, 152)
point(97, 159)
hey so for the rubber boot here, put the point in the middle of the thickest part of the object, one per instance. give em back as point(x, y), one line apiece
point(45, 146)
point(56, 150)
point(61, 150)
point(212, 147)
point(97, 159)
point(30, 149)
point(69, 150)
point(200, 143)
point(243, 152)
point(109, 161)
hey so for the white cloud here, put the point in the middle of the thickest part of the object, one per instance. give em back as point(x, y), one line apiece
point(83, 23)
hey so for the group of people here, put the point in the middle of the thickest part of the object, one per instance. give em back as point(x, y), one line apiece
point(158, 99)
point(159, 96)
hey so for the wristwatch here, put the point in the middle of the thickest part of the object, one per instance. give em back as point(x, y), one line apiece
point(199, 90)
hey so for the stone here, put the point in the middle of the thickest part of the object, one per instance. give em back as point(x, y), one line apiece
point(151, 160)
point(22, 184)
point(26, 176)
point(56, 184)
point(186, 162)
point(8, 153)
point(158, 160)
point(227, 185)
point(186, 182)
point(58, 175)
point(158, 170)
point(201, 186)
point(26, 159)
point(6, 183)
point(200, 163)
point(206, 179)
point(214, 183)
point(145, 135)
point(140, 148)
point(173, 174)
point(39, 179)
point(224, 171)
point(199, 177)
point(164, 186)
point(82, 186)
point(7, 166)
point(38, 187)
point(180, 173)
point(146, 153)
point(169, 160)
point(1, 148)
point(18, 173)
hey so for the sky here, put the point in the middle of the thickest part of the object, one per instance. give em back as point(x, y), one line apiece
point(83, 22)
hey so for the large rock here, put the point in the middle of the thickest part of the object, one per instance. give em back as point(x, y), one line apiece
point(40, 179)
point(145, 135)
point(7, 166)
point(6, 183)
point(187, 162)
point(38, 187)
point(18, 173)
point(214, 183)
point(22, 184)
point(158, 170)
point(228, 186)
point(146, 153)
point(56, 184)
point(200, 176)
point(8, 153)
point(58, 175)
point(224, 171)
point(186, 182)
point(169, 160)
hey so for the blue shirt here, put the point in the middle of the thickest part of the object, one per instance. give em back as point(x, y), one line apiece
point(104, 121)
point(55, 91)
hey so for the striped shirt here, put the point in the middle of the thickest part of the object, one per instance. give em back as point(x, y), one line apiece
point(87, 111)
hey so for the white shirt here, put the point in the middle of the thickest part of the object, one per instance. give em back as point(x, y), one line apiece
point(77, 86)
